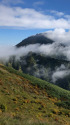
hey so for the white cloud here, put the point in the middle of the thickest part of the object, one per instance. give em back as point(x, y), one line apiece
point(60, 72)
point(14, 2)
point(57, 13)
point(38, 3)
point(7, 51)
point(59, 35)
point(30, 18)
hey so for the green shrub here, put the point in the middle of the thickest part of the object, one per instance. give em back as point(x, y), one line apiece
point(3, 107)
point(65, 104)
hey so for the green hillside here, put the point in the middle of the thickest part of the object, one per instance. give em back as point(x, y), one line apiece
point(26, 100)
point(42, 67)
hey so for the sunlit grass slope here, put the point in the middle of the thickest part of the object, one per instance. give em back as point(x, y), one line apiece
point(26, 100)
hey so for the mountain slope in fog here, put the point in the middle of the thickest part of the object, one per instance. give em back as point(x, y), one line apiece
point(52, 67)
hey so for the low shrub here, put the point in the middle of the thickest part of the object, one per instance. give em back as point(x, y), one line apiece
point(65, 104)
point(3, 107)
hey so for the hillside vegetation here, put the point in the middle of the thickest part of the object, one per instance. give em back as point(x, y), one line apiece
point(26, 100)
point(42, 67)
point(46, 59)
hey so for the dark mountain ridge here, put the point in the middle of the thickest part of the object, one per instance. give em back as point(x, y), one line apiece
point(38, 38)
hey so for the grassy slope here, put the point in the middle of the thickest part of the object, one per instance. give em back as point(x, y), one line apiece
point(26, 100)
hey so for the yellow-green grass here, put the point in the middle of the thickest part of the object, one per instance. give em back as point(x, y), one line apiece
point(24, 102)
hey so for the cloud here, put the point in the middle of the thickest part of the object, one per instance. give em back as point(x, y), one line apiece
point(13, 2)
point(38, 3)
point(59, 48)
point(7, 51)
point(60, 72)
point(27, 18)
point(59, 35)
point(57, 13)
point(52, 50)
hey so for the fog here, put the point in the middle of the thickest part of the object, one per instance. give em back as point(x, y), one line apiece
point(54, 49)
point(59, 48)
point(60, 72)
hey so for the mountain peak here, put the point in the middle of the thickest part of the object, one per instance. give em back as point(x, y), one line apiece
point(38, 38)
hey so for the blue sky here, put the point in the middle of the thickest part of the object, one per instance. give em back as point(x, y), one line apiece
point(22, 18)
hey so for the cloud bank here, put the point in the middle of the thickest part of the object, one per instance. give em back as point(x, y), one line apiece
point(60, 47)
point(47, 50)
point(27, 18)
point(59, 35)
